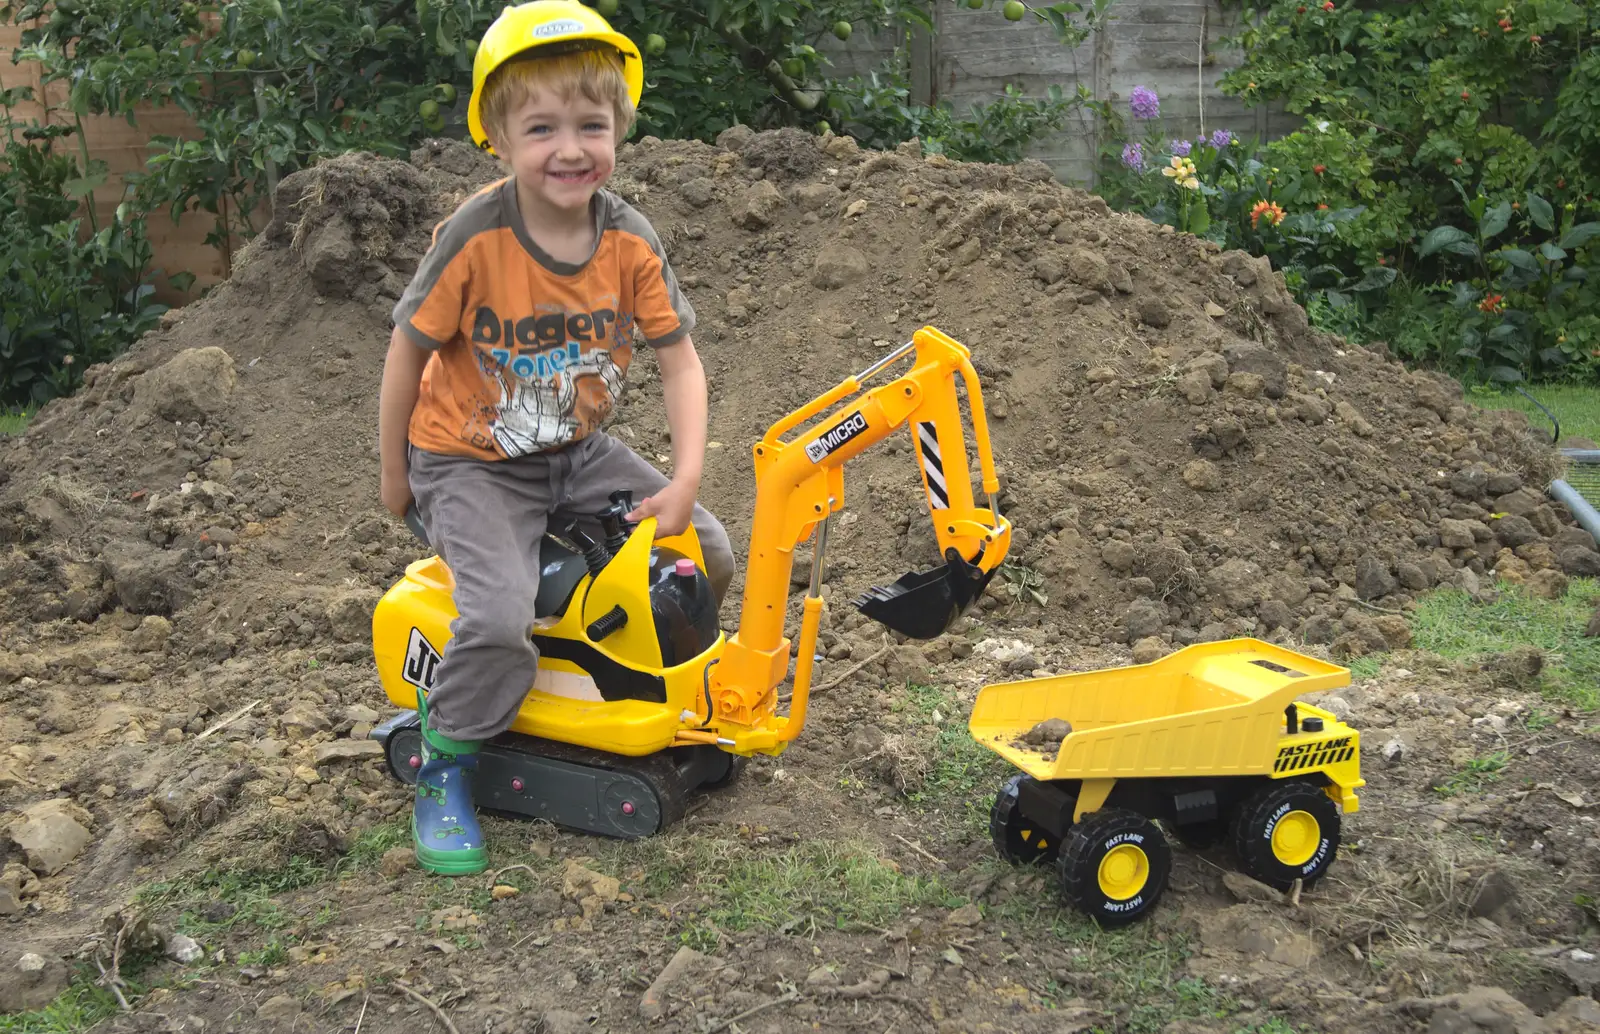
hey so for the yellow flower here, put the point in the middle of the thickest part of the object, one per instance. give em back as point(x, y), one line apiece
point(1182, 170)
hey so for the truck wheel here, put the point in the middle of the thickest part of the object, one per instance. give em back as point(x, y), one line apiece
point(1285, 832)
point(1016, 839)
point(1114, 866)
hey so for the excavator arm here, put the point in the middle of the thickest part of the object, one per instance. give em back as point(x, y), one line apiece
point(800, 485)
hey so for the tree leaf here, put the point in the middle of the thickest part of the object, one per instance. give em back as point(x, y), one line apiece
point(1495, 220)
point(1551, 252)
point(1441, 237)
point(1542, 214)
point(1504, 374)
point(1377, 278)
point(1520, 259)
point(1579, 235)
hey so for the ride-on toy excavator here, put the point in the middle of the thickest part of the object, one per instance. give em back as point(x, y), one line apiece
point(640, 699)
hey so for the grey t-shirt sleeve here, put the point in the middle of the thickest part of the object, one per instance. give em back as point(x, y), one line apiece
point(431, 308)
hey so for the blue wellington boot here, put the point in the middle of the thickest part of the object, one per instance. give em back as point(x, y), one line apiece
point(444, 821)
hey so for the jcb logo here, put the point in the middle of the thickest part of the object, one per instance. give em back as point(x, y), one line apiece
point(421, 661)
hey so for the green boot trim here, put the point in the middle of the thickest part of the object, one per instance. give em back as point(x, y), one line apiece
point(439, 741)
point(467, 862)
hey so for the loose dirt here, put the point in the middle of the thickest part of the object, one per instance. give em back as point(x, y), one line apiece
point(193, 544)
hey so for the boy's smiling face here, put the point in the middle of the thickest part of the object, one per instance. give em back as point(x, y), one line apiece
point(561, 151)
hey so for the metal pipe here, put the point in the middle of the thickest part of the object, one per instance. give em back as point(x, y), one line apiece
point(1581, 455)
point(885, 361)
point(1586, 516)
point(816, 556)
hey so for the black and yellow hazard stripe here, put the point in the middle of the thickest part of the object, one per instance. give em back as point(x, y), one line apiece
point(1330, 755)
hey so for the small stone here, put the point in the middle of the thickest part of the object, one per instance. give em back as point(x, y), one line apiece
point(1101, 375)
point(1548, 584)
point(52, 833)
point(1119, 555)
point(1394, 751)
point(836, 266)
point(1215, 311)
point(1411, 576)
point(1579, 562)
point(1276, 614)
point(968, 914)
point(759, 206)
point(1150, 648)
point(1246, 385)
point(1202, 476)
point(1373, 581)
point(1195, 387)
point(397, 860)
point(1455, 534)
point(183, 948)
point(346, 750)
point(279, 1009)
point(1502, 484)
point(1051, 731)
point(1153, 312)
point(1515, 531)
point(308, 775)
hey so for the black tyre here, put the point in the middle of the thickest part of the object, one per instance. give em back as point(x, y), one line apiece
point(1016, 839)
point(403, 753)
point(736, 766)
point(1114, 866)
point(1285, 832)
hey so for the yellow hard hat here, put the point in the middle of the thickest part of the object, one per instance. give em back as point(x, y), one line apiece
point(545, 23)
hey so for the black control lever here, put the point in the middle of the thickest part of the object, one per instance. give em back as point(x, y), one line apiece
point(614, 520)
point(594, 554)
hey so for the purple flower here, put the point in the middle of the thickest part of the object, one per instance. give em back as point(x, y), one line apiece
point(1221, 138)
point(1144, 103)
point(1133, 157)
point(1181, 148)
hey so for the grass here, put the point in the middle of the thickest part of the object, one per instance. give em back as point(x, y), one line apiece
point(1577, 407)
point(15, 421)
point(1450, 623)
point(961, 773)
point(1475, 775)
point(801, 888)
point(80, 1007)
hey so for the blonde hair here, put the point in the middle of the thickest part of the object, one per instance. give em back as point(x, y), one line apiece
point(593, 72)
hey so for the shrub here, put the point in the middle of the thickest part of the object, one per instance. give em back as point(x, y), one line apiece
point(67, 299)
point(1454, 146)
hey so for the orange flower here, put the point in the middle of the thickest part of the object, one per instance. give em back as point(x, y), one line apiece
point(1271, 210)
point(1493, 303)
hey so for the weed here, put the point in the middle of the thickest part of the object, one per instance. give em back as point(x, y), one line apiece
point(15, 421)
point(1538, 720)
point(1449, 622)
point(1024, 583)
point(805, 886)
point(960, 772)
point(81, 1006)
point(1478, 773)
point(1365, 667)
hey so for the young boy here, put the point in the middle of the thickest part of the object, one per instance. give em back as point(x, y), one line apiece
point(509, 350)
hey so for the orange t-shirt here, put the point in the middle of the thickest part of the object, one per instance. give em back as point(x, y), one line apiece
point(529, 354)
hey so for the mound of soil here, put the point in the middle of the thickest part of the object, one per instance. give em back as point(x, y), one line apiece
point(194, 542)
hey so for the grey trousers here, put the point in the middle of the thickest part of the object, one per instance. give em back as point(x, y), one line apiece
point(486, 519)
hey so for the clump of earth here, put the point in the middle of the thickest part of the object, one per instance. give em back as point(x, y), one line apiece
point(193, 544)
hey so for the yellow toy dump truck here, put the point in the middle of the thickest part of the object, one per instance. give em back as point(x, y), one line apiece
point(1210, 741)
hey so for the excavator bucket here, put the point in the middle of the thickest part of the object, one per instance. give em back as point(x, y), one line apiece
point(924, 604)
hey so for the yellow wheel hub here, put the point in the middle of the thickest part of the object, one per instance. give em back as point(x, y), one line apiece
point(1123, 872)
point(1295, 838)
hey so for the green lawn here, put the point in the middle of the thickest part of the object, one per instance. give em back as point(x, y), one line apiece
point(1448, 622)
point(1576, 406)
point(13, 421)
